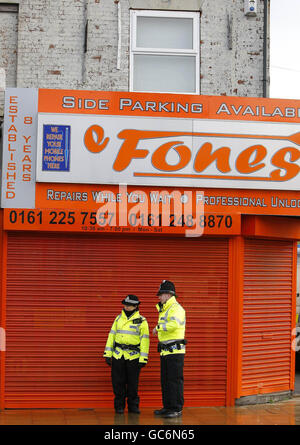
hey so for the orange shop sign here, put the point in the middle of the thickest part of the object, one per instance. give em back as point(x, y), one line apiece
point(162, 141)
point(57, 220)
point(145, 139)
point(114, 150)
point(91, 197)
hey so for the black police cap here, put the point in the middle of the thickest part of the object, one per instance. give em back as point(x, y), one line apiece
point(131, 300)
point(166, 287)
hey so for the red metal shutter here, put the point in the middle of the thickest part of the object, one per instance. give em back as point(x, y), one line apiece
point(267, 316)
point(64, 291)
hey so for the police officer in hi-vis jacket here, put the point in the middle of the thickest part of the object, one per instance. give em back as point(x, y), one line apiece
point(170, 330)
point(126, 351)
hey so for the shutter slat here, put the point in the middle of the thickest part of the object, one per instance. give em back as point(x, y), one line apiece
point(267, 316)
point(63, 293)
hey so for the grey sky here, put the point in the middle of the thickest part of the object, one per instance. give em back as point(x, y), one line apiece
point(285, 42)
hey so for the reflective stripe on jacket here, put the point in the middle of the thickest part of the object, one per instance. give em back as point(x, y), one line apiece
point(128, 331)
point(171, 325)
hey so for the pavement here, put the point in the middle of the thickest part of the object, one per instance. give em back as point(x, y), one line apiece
point(297, 383)
point(286, 412)
point(282, 413)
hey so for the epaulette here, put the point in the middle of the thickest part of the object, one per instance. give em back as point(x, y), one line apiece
point(138, 320)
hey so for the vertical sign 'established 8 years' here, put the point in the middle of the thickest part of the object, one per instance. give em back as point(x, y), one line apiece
point(19, 148)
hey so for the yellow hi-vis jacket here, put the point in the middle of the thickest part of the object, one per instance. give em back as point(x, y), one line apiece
point(171, 325)
point(128, 331)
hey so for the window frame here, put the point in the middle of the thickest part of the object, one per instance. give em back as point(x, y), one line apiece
point(194, 52)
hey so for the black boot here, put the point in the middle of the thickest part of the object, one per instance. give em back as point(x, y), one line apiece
point(160, 412)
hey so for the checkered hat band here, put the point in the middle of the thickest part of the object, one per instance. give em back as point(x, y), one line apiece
point(129, 301)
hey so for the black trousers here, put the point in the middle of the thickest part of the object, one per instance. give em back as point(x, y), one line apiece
point(125, 382)
point(171, 374)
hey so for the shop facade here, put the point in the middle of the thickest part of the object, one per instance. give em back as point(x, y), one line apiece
point(105, 194)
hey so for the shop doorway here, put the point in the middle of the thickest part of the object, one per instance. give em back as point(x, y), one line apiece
point(63, 292)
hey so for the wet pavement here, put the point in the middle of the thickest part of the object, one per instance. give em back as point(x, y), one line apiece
point(286, 412)
point(282, 413)
point(297, 383)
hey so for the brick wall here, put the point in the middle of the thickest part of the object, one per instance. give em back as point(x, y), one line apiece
point(8, 49)
point(51, 51)
point(51, 43)
point(231, 49)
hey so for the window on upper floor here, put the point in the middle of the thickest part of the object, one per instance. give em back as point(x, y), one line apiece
point(164, 51)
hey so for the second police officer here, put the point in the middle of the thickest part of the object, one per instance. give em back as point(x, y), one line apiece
point(171, 331)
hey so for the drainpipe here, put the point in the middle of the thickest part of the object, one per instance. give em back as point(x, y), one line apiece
point(119, 35)
point(85, 42)
point(265, 48)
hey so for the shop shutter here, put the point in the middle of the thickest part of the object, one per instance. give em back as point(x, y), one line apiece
point(267, 316)
point(64, 291)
